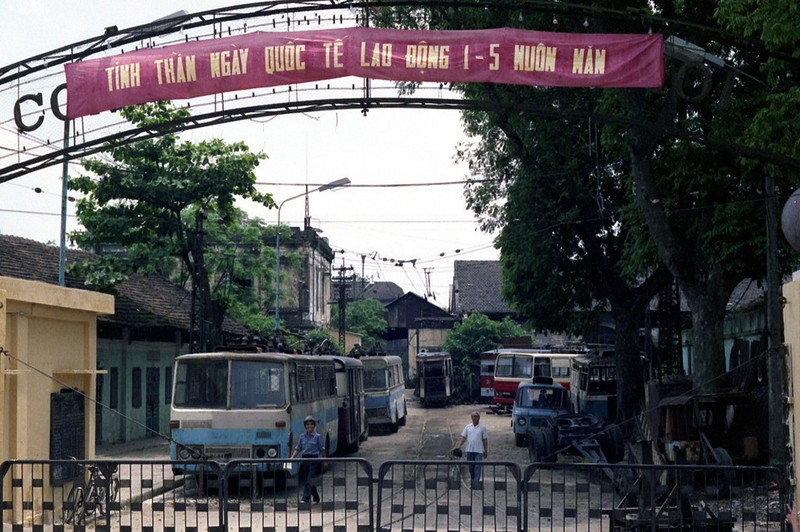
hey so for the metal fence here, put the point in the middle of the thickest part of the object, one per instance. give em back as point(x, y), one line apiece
point(404, 495)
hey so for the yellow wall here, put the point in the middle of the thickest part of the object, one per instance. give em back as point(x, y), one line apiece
point(423, 340)
point(791, 323)
point(50, 335)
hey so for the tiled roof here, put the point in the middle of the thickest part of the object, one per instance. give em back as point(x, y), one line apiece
point(477, 288)
point(383, 291)
point(139, 301)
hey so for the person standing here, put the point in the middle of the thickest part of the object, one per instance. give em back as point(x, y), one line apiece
point(309, 446)
point(477, 439)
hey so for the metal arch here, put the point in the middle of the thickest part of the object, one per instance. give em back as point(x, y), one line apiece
point(260, 111)
point(114, 38)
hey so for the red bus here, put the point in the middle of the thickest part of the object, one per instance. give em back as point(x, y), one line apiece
point(513, 366)
point(487, 376)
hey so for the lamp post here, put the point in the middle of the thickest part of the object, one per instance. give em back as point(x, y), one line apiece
point(329, 186)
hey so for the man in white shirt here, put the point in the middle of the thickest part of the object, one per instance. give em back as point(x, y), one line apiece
point(477, 440)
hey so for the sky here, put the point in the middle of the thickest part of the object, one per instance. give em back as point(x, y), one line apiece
point(379, 217)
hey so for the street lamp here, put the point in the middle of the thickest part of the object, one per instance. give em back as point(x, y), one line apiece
point(343, 182)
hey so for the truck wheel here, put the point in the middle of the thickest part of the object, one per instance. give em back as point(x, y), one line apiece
point(519, 440)
point(613, 444)
point(550, 446)
point(536, 446)
point(725, 478)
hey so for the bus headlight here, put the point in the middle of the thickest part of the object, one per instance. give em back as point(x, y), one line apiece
point(187, 453)
point(521, 422)
point(265, 452)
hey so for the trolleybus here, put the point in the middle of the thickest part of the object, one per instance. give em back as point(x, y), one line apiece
point(385, 391)
point(487, 376)
point(434, 378)
point(236, 405)
point(513, 366)
point(594, 385)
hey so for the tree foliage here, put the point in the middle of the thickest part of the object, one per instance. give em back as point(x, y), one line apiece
point(591, 214)
point(476, 334)
point(152, 197)
point(367, 318)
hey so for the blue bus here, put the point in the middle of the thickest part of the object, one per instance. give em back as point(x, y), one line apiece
point(235, 405)
point(385, 388)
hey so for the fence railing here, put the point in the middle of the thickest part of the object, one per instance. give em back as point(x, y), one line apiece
point(403, 495)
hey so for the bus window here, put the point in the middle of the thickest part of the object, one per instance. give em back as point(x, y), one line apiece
point(202, 384)
point(541, 367)
point(505, 366)
point(523, 367)
point(256, 384)
point(375, 379)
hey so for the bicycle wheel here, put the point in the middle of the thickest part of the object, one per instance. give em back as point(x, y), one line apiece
point(113, 489)
point(74, 505)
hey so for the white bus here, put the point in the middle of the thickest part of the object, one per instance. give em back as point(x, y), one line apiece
point(235, 405)
point(385, 388)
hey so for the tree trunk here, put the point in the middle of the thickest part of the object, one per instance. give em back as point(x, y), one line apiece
point(708, 347)
point(630, 385)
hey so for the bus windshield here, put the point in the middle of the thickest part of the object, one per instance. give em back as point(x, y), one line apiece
point(375, 379)
point(254, 384)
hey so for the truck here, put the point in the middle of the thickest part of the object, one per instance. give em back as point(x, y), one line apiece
point(542, 416)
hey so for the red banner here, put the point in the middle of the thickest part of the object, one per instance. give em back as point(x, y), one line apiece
point(517, 57)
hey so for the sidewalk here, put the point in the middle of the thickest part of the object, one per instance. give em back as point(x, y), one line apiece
point(147, 449)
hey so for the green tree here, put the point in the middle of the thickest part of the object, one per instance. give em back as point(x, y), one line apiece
point(476, 334)
point(367, 318)
point(153, 196)
point(240, 259)
point(673, 171)
point(556, 193)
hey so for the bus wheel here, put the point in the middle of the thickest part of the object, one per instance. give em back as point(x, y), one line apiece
point(365, 435)
point(280, 480)
point(403, 419)
point(519, 440)
point(395, 425)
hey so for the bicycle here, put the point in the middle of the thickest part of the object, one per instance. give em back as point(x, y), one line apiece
point(83, 500)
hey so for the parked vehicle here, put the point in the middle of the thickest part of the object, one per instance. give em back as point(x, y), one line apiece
point(514, 366)
point(487, 376)
point(594, 385)
point(434, 378)
point(535, 404)
point(237, 405)
point(543, 416)
point(353, 424)
point(385, 392)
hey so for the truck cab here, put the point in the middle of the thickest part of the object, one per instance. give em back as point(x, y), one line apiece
point(537, 404)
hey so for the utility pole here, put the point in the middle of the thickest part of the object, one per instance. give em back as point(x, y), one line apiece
point(197, 341)
point(342, 279)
